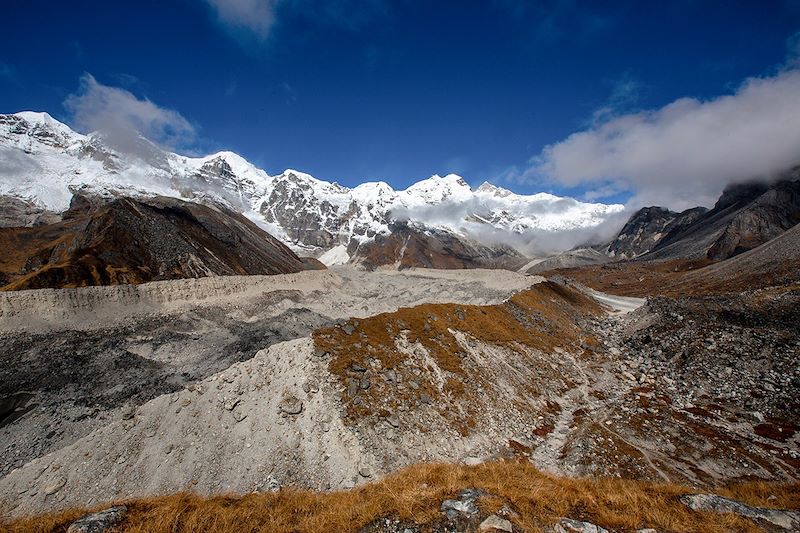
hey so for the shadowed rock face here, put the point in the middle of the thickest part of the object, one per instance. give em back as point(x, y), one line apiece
point(408, 247)
point(108, 241)
point(744, 217)
point(645, 229)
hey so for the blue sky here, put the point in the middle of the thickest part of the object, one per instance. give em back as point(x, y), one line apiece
point(363, 90)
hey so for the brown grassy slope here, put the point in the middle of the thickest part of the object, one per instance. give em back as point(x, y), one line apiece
point(542, 317)
point(415, 494)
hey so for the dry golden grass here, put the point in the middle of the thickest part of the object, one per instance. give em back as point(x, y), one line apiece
point(415, 494)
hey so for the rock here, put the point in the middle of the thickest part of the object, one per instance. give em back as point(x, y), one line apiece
point(453, 508)
point(55, 485)
point(231, 404)
point(364, 472)
point(566, 525)
point(787, 520)
point(272, 484)
point(495, 523)
point(348, 329)
point(291, 406)
point(425, 398)
point(128, 412)
point(97, 522)
point(239, 416)
point(364, 384)
point(393, 421)
point(464, 505)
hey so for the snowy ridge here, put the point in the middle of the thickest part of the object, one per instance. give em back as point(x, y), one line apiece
point(41, 159)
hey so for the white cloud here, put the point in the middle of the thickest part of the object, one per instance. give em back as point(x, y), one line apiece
point(121, 117)
point(533, 242)
point(685, 153)
point(254, 16)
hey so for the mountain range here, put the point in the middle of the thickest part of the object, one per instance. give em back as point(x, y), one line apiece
point(42, 161)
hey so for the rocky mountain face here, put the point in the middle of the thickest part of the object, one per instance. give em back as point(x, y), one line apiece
point(744, 217)
point(41, 158)
point(645, 229)
point(108, 240)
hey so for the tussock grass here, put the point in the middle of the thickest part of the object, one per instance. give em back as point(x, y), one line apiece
point(415, 494)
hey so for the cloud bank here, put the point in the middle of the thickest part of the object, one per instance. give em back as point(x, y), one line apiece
point(686, 152)
point(533, 242)
point(121, 117)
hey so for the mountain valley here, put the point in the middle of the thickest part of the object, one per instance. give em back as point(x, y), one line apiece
point(186, 340)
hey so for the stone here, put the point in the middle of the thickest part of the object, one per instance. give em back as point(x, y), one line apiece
point(364, 472)
point(128, 412)
point(55, 485)
point(495, 523)
point(101, 521)
point(272, 484)
point(464, 505)
point(231, 404)
point(291, 406)
point(566, 525)
point(425, 398)
point(393, 421)
point(348, 329)
point(785, 519)
point(453, 508)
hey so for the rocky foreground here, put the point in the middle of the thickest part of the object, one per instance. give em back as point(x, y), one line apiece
point(330, 380)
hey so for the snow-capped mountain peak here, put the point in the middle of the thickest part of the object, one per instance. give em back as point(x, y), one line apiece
point(435, 189)
point(42, 158)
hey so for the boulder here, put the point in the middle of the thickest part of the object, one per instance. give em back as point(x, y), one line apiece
point(97, 522)
point(495, 523)
point(784, 519)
